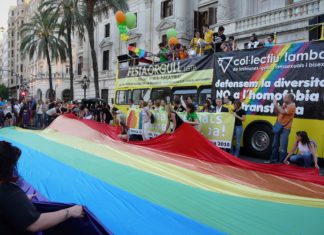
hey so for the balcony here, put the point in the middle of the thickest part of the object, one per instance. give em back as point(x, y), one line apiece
point(281, 16)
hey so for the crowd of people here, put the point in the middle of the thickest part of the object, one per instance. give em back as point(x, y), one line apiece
point(304, 152)
point(29, 113)
point(209, 42)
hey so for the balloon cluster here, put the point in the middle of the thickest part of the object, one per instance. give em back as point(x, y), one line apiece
point(125, 22)
point(172, 36)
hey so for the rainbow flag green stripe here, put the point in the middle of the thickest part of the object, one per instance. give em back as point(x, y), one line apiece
point(214, 211)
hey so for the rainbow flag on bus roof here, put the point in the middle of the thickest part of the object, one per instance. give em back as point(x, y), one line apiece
point(139, 52)
point(173, 184)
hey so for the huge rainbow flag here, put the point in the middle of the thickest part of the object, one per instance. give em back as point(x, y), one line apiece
point(173, 184)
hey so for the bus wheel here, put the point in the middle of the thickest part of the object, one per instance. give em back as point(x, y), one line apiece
point(258, 140)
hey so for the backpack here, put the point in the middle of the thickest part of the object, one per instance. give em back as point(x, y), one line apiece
point(152, 118)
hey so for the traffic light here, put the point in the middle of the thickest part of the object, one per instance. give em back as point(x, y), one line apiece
point(23, 93)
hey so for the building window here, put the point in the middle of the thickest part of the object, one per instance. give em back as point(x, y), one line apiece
point(67, 69)
point(293, 1)
point(166, 8)
point(80, 65)
point(205, 17)
point(21, 68)
point(164, 39)
point(12, 13)
point(105, 60)
point(107, 30)
point(104, 94)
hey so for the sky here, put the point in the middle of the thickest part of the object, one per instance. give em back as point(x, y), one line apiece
point(4, 8)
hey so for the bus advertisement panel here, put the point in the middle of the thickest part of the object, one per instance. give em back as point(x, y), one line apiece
point(257, 77)
point(189, 72)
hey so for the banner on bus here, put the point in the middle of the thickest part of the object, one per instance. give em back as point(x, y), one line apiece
point(189, 72)
point(217, 127)
point(257, 77)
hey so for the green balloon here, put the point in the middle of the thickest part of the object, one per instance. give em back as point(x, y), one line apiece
point(130, 20)
point(171, 33)
point(122, 29)
point(124, 23)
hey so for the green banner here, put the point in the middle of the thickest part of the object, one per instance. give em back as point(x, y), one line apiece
point(217, 127)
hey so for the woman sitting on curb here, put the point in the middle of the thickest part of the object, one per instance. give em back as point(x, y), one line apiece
point(307, 151)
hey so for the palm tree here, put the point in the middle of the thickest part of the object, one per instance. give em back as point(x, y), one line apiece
point(89, 8)
point(40, 38)
point(70, 21)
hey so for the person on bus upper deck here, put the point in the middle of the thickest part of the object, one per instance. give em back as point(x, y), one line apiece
point(307, 151)
point(163, 53)
point(219, 106)
point(253, 43)
point(231, 44)
point(219, 38)
point(270, 41)
point(208, 38)
point(195, 44)
point(240, 116)
point(282, 128)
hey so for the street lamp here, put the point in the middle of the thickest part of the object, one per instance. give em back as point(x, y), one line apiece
point(85, 83)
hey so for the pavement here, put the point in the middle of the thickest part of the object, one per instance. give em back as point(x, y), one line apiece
point(260, 160)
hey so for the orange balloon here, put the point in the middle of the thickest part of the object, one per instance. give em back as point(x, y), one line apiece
point(173, 41)
point(120, 17)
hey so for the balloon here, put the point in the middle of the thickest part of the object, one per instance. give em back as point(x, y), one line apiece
point(173, 41)
point(122, 29)
point(123, 23)
point(124, 37)
point(120, 17)
point(171, 33)
point(130, 20)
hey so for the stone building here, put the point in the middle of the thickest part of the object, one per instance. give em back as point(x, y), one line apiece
point(4, 75)
point(290, 19)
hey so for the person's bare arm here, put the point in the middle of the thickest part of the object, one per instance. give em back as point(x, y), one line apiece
point(51, 219)
point(314, 154)
point(292, 151)
point(174, 120)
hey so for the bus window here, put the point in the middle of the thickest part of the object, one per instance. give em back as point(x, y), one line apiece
point(204, 94)
point(161, 94)
point(139, 94)
point(122, 97)
point(185, 92)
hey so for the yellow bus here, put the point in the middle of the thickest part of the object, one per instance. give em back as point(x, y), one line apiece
point(256, 77)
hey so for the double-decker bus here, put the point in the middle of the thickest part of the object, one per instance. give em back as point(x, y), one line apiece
point(256, 77)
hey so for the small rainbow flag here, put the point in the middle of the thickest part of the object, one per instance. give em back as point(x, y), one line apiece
point(179, 184)
point(139, 52)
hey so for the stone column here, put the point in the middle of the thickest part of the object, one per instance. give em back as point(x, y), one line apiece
point(223, 11)
point(149, 25)
point(182, 17)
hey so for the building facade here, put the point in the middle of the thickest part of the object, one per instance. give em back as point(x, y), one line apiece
point(291, 20)
point(4, 75)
